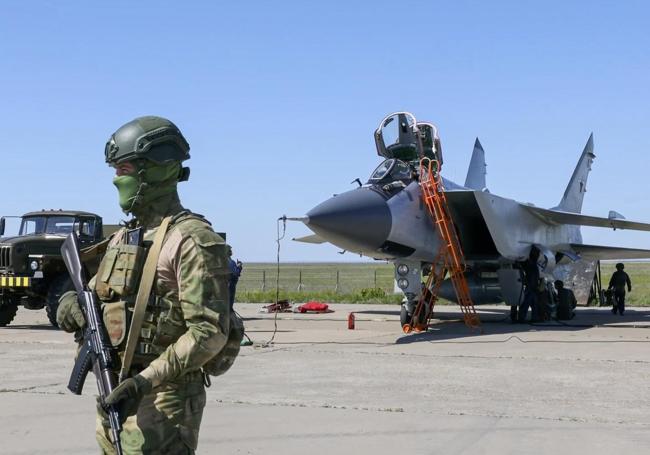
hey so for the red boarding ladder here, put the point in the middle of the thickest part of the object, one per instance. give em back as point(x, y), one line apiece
point(450, 258)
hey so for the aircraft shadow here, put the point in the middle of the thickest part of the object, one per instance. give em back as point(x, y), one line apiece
point(379, 312)
point(448, 325)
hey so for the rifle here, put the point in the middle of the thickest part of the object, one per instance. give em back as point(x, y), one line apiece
point(97, 352)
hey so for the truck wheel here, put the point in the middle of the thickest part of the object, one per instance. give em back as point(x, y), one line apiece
point(58, 287)
point(8, 309)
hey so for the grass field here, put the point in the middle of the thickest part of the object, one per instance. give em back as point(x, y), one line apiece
point(330, 282)
point(370, 282)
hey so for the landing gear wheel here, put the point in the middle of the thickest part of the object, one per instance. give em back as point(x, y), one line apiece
point(404, 316)
point(405, 319)
point(59, 286)
point(8, 309)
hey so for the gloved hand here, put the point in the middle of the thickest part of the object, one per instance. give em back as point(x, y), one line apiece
point(69, 315)
point(128, 395)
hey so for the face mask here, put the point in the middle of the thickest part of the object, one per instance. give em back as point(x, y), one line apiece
point(127, 188)
point(159, 179)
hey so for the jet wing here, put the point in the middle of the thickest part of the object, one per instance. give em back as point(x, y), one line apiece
point(597, 252)
point(557, 217)
point(310, 239)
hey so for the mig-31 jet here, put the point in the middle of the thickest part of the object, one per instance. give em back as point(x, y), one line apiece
point(386, 219)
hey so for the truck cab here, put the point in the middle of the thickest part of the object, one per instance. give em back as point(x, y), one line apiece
point(32, 272)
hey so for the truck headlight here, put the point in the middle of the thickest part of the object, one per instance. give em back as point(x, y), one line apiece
point(402, 269)
point(34, 265)
point(403, 283)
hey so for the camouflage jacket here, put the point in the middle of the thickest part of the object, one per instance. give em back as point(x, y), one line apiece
point(187, 320)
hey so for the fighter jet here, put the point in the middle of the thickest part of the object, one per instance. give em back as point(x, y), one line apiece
point(386, 219)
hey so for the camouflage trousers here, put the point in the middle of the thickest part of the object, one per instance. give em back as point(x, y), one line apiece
point(167, 421)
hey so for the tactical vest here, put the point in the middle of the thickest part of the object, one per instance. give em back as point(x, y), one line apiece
point(116, 284)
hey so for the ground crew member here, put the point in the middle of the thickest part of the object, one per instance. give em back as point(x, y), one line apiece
point(566, 302)
point(544, 301)
point(531, 283)
point(617, 282)
point(187, 320)
point(235, 268)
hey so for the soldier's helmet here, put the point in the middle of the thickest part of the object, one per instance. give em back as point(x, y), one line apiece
point(620, 266)
point(147, 138)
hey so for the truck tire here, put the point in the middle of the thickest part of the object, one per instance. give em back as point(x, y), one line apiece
point(58, 287)
point(8, 309)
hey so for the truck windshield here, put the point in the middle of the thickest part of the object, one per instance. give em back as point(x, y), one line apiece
point(62, 225)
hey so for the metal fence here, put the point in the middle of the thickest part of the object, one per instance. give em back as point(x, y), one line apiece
point(341, 278)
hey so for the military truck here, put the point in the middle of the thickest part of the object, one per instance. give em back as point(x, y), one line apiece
point(32, 272)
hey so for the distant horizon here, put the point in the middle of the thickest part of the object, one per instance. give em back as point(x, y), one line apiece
point(371, 261)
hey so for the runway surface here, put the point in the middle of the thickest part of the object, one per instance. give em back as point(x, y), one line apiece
point(320, 388)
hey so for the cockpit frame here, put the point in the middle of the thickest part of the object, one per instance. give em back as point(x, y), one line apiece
point(415, 140)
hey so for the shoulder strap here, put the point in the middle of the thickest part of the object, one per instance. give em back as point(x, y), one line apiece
point(144, 291)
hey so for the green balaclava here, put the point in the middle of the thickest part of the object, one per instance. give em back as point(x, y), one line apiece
point(150, 182)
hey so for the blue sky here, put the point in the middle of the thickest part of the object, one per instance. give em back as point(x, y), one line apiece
point(279, 101)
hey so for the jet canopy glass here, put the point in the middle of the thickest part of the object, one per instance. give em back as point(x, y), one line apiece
point(401, 136)
point(391, 170)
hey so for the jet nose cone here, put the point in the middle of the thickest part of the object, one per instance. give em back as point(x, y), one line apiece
point(357, 220)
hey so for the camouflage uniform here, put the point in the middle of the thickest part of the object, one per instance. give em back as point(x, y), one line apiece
point(187, 317)
point(184, 326)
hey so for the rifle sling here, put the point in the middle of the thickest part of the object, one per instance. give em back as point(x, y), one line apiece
point(144, 291)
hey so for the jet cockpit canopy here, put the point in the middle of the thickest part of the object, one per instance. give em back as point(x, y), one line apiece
point(401, 136)
point(391, 170)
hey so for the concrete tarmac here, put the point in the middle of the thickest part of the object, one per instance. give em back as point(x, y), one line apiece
point(320, 388)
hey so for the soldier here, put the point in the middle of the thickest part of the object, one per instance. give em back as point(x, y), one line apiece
point(235, 268)
point(531, 284)
point(617, 282)
point(187, 319)
point(566, 302)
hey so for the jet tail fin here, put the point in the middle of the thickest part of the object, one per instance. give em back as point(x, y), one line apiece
point(577, 187)
point(477, 168)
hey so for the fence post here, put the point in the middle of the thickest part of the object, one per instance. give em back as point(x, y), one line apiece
point(299, 280)
point(375, 278)
point(263, 280)
point(336, 289)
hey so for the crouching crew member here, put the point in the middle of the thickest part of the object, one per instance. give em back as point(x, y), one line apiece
point(566, 302)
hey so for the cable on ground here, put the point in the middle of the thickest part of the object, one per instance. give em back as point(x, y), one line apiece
point(282, 220)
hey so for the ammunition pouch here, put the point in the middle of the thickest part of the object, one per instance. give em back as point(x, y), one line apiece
point(119, 272)
point(116, 283)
